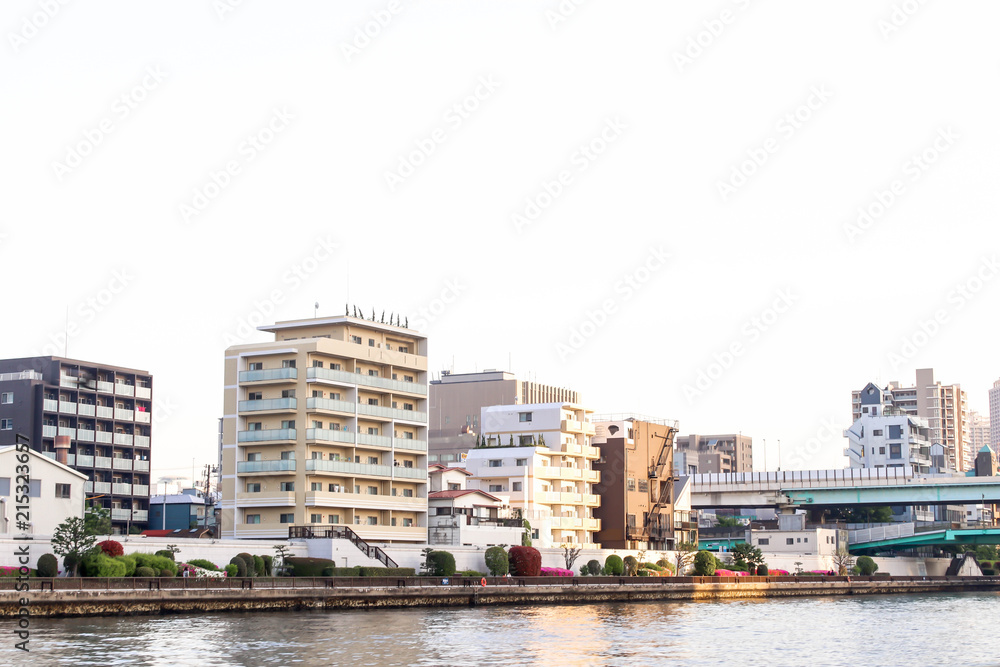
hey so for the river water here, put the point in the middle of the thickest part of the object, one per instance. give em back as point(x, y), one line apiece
point(911, 630)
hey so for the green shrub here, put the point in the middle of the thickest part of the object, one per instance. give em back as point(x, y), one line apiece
point(231, 570)
point(762, 570)
point(145, 572)
point(168, 573)
point(48, 566)
point(631, 565)
point(165, 553)
point(643, 572)
point(153, 561)
point(204, 564)
point(241, 566)
point(309, 567)
point(497, 562)
point(69, 562)
point(258, 566)
point(594, 567)
point(989, 571)
point(268, 565)
point(442, 563)
point(248, 559)
point(365, 571)
point(99, 565)
point(867, 566)
point(584, 570)
point(650, 566)
point(614, 566)
point(704, 563)
point(130, 564)
point(471, 573)
point(667, 565)
point(342, 571)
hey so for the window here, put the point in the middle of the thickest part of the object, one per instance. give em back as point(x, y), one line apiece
point(372, 430)
point(288, 363)
point(286, 518)
point(253, 518)
point(371, 342)
point(357, 520)
point(406, 378)
point(407, 406)
point(373, 460)
point(521, 462)
point(317, 363)
point(287, 423)
point(254, 395)
point(524, 416)
point(288, 486)
point(516, 486)
point(255, 426)
point(356, 339)
point(253, 487)
point(373, 521)
point(316, 486)
point(288, 456)
point(334, 367)
point(895, 451)
point(393, 520)
point(334, 426)
point(454, 487)
point(877, 431)
point(404, 349)
point(317, 424)
point(764, 541)
point(334, 395)
point(407, 523)
point(526, 440)
point(496, 488)
point(372, 490)
point(7, 397)
point(789, 540)
point(407, 493)
point(407, 464)
point(372, 401)
point(895, 431)
point(496, 463)
point(881, 450)
point(256, 366)
point(317, 394)
point(630, 484)
point(315, 518)
point(6, 424)
point(333, 518)
point(253, 457)
point(805, 540)
point(62, 490)
point(373, 373)
point(288, 393)
point(4, 486)
point(798, 539)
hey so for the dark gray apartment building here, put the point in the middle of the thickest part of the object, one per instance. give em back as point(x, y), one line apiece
point(94, 418)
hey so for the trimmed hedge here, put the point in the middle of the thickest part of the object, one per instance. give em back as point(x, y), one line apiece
point(614, 566)
point(705, 563)
point(866, 565)
point(309, 567)
point(153, 561)
point(258, 566)
point(168, 573)
point(525, 561)
point(268, 565)
point(111, 548)
point(130, 564)
point(204, 564)
point(594, 567)
point(145, 572)
point(165, 553)
point(48, 566)
point(100, 565)
point(241, 566)
point(631, 565)
point(230, 570)
point(497, 561)
point(442, 563)
point(386, 571)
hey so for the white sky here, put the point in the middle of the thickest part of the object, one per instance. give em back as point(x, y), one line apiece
point(880, 96)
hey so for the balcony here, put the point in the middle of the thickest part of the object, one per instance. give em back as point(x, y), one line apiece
point(86, 409)
point(409, 444)
point(122, 439)
point(349, 468)
point(143, 392)
point(66, 430)
point(364, 501)
point(399, 472)
point(103, 437)
point(70, 459)
point(266, 499)
point(69, 381)
point(102, 462)
point(121, 489)
point(269, 375)
point(330, 404)
point(120, 514)
point(122, 389)
point(268, 405)
point(344, 377)
point(140, 515)
point(98, 487)
point(105, 387)
point(141, 441)
point(105, 412)
point(284, 465)
point(375, 440)
point(265, 435)
point(140, 490)
point(84, 461)
point(50, 405)
point(67, 408)
point(122, 414)
point(121, 464)
point(392, 413)
point(330, 435)
point(143, 416)
point(48, 431)
point(140, 466)
point(573, 426)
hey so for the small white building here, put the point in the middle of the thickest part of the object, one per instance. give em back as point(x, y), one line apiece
point(55, 493)
point(889, 441)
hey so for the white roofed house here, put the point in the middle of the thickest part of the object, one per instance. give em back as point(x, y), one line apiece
point(55, 493)
point(460, 516)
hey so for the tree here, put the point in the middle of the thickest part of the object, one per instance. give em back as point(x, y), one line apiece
point(798, 567)
point(727, 521)
point(684, 556)
point(631, 565)
point(279, 559)
point(427, 567)
point(497, 562)
point(843, 561)
point(97, 520)
point(570, 553)
point(867, 566)
point(860, 514)
point(526, 535)
point(72, 541)
point(510, 443)
point(704, 564)
point(746, 555)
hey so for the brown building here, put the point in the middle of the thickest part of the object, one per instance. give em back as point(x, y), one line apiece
point(636, 482)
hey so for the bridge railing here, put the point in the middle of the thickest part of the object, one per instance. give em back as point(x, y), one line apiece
point(790, 479)
point(880, 533)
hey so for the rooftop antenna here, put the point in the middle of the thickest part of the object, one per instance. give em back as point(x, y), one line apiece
point(779, 455)
point(316, 310)
point(66, 339)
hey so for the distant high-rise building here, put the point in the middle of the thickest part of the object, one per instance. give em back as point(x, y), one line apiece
point(456, 400)
point(979, 432)
point(701, 454)
point(995, 417)
point(943, 406)
point(95, 418)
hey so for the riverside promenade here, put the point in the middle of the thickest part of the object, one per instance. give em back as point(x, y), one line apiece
point(111, 597)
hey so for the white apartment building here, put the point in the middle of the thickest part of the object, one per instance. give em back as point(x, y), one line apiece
point(55, 493)
point(889, 441)
point(995, 417)
point(538, 458)
point(979, 432)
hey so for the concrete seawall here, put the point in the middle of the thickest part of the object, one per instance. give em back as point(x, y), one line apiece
point(62, 603)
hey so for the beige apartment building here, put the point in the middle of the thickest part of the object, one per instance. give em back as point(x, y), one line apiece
point(944, 406)
point(326, 427)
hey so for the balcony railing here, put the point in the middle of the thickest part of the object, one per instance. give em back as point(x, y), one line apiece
point(140, 515)
point(399, 472)
point(50, 405)
point(329, 404)
point(267, 404)
point(143, 416)
point(86, 409)
point(140, 490)
point(124, 389)
point(84, 461)
point(121, 464)
point(141, 441)
point(264, 435)
point(101, 487)
point(48, 431)
point(123, 439)
point(391, 413)
point(105, 412)
point(407, 443)
point(330, 435)
point(124, 415)
point(120, 515)
point(121, 489)
point(366, 380)
point(106, 387)
point(284, 465)
point(140, 466)
point(67, 408)
point(103, 436)
point(269, 374)
point(347, 467)
point(374, 440)
point(66, 430)
point(102, 462)
point(143, 392)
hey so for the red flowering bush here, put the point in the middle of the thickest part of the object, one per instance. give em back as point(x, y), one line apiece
point(111, 548)
point(525, 561)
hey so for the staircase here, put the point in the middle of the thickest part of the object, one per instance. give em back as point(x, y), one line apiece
point(342, 533)
point(660, 475)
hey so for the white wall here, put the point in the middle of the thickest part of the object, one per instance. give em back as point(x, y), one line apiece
point(45, 511)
